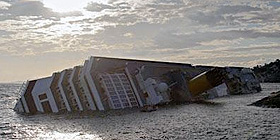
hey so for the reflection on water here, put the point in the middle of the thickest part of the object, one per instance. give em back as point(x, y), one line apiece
point(230, 118)
point(69, 136)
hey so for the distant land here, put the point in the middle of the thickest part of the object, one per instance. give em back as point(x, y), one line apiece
point(268, 72)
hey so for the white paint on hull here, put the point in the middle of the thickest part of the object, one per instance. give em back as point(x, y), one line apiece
point(26, 109)
point(83, 84)
point(42, 86)
point(92, 85)
point(18, 107)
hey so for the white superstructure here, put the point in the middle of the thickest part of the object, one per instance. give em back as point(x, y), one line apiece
point(111, 83)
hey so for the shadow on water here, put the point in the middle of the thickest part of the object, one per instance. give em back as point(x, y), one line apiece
point(112, 113)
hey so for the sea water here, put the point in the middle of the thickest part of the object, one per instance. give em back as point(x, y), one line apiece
point(227, 118)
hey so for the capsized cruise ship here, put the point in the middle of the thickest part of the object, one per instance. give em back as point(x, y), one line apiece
point(103, 83)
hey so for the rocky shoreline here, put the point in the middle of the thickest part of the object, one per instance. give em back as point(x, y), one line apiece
point(268, 73)
point(272, 101)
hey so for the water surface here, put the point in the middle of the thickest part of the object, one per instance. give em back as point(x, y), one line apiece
point(229, 118)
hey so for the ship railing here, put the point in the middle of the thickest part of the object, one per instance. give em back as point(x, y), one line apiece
point(23, 88)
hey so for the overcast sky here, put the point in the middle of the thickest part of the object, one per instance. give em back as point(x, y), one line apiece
point(40, 37)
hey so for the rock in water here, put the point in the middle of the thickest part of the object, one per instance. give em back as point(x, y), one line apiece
point(272, 101)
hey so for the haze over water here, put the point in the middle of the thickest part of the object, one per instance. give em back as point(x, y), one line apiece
point(229, 118)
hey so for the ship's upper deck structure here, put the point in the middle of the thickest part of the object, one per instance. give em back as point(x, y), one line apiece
point(104, 83)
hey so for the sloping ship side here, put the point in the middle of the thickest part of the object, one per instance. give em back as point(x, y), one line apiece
point(111, 83)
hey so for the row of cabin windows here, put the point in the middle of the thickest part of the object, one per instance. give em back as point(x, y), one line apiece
point(84, 96)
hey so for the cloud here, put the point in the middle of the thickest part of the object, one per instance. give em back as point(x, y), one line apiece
point(167, 24)
point(25, 47)
point(222, 14)
point(274, 4)
point(27, 8)
point(132, 12)
point(200, 32)
point(173, 40)
point(251, 48)
point(234, 9)
point(159, 27)
point(4, 5)
point(20, 8)
point(97, 7)
point(218, 42)
point(4, 33)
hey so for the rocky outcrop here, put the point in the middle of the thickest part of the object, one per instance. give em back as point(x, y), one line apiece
point(272, 101)
point(269, 72)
